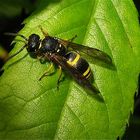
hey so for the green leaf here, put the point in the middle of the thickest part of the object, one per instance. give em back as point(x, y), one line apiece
point(32, 109)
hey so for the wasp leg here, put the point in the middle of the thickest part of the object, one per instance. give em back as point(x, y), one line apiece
point(71, 40)
point(42, 60)
point(43, 32)
point(50, 71)
point(60, 75)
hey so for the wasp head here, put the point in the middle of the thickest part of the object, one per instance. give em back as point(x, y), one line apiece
point(33, 45)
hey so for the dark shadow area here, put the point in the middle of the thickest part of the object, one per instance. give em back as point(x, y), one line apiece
point(90, 91)
point(110, 66)
point(137, 4)
point(97, 97)
point(133, 129)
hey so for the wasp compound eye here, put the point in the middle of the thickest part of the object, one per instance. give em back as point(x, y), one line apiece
point(33, 45)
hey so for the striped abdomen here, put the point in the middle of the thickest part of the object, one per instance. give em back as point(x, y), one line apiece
point(75, 60)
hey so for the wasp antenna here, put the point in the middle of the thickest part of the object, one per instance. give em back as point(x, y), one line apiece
point(15, 34)
point(15, 53)
point(43, 32)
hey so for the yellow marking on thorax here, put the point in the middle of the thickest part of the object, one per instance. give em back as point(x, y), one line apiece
point(74, 61)
point(87, 71)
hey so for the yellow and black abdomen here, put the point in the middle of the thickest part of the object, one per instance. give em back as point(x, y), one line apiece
point(75, 60)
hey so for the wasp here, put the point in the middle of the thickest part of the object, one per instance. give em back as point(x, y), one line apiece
point(67, 55)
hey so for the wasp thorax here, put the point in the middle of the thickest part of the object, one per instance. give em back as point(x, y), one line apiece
point(33, 45)
point(49, 45)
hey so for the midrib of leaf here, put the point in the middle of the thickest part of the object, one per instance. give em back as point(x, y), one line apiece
point(80, 122)
point(65, 103)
